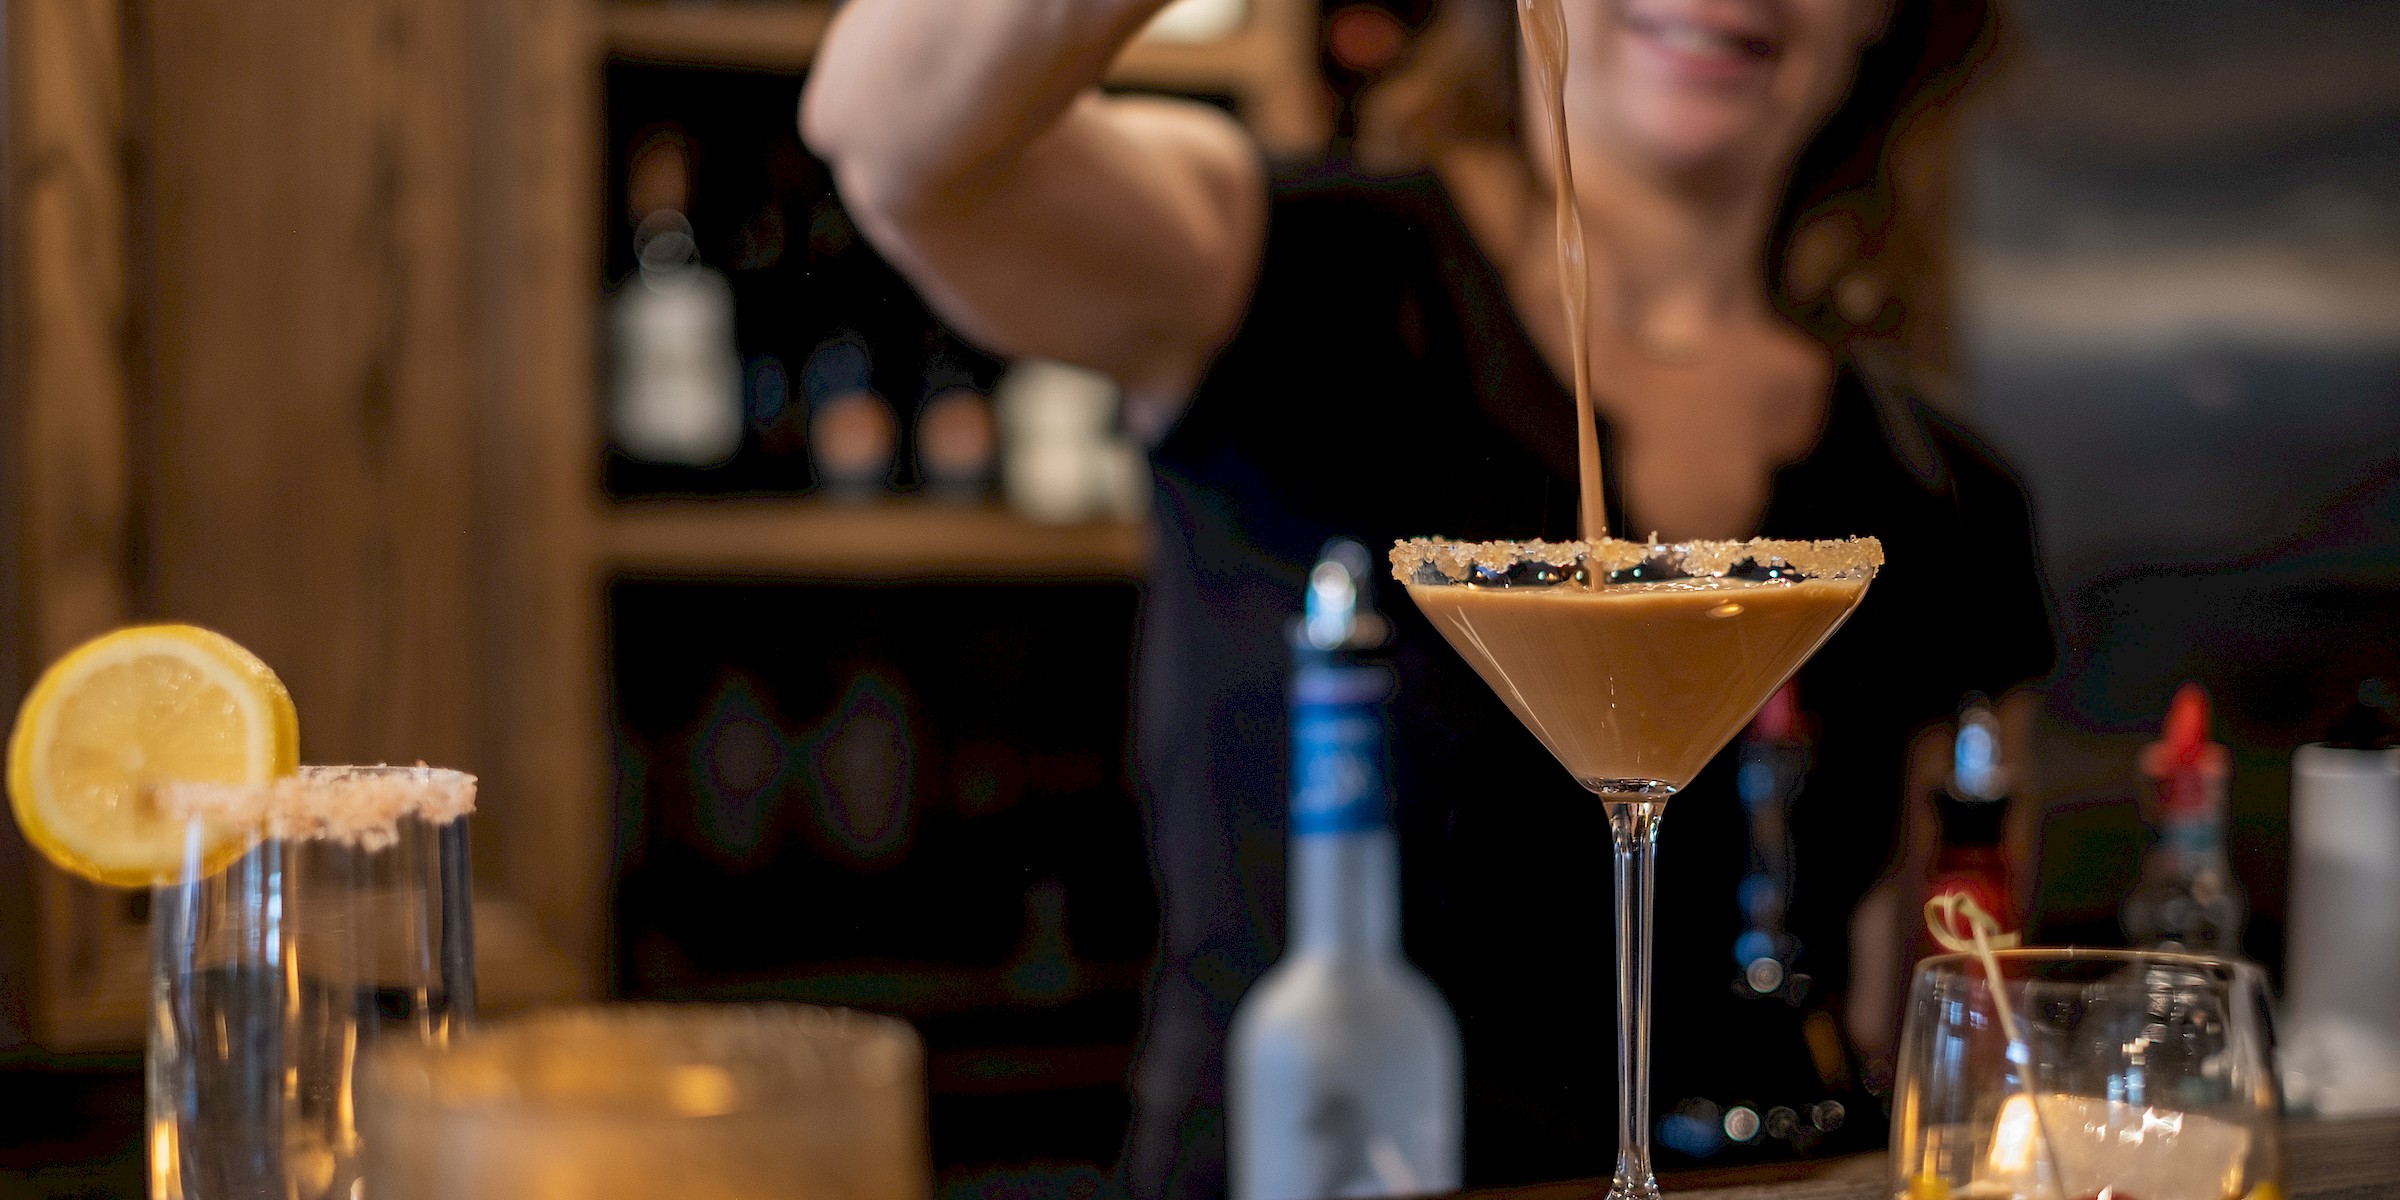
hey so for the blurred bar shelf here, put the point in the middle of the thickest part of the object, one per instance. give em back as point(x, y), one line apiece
point(752, 33)
point(1266, 68)
point(881, 539)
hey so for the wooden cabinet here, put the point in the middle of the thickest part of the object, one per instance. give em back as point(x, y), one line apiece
point(299, 333)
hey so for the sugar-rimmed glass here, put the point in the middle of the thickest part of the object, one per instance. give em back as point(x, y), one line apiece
point(2133, 1074)
point(1634, 663)
point(346, 921)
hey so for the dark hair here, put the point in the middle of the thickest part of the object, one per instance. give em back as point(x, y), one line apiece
point(1857, 254)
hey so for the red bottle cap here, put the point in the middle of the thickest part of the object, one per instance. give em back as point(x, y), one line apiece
point(1778, 720)
point(2183, 758)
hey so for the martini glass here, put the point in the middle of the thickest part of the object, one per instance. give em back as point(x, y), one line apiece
point(1635, 663)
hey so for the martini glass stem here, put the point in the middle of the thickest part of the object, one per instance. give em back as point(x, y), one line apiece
point(1633, 826)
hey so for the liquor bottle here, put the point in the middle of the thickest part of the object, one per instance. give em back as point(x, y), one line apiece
point(955, 444)
point(2187, 897)
point(852, 432)
point(1343, 1069)
point(1973, 810)
point(678, 381)
point(1774, 753)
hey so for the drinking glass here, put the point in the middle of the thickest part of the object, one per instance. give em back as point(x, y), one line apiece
point(2132, 1074)
point(697, 1102)
point(343, 923)
point(1634, 664)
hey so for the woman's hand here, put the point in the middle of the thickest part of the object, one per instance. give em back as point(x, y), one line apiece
point(970, 142)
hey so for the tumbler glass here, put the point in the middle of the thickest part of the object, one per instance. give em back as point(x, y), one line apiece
point(697, 1102)
point(343, 922)
point(2124, 1074)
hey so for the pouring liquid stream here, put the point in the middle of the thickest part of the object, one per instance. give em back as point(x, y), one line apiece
point(1544, 26)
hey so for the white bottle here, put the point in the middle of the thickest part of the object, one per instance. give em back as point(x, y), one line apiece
point(1062, 460)
point(678, 381)
point(1343, 1070)
point(2340, 1022)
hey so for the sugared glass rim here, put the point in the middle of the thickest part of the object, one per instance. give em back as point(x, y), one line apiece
point(529, 1065)
point(1435, 562)
point(355, 805)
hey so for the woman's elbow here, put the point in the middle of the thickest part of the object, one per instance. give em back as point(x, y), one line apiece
point(825, 119)
point(880, 183)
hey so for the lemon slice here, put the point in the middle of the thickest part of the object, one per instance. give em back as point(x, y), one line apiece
point(130, 710)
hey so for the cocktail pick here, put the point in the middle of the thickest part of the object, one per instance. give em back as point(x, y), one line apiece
point(1945, 915)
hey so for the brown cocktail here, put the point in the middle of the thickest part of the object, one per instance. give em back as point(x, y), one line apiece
point(1634, 663)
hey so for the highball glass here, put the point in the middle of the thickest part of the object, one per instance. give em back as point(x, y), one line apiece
point(347, 922)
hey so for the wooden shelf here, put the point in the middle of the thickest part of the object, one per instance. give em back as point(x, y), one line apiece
point(753, 33)
point(890, 539)
point(1267, 67)
point(783, 36)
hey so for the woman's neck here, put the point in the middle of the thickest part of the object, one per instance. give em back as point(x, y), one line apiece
point(1674, 263)
point(1707, 390)
point(1673, 266)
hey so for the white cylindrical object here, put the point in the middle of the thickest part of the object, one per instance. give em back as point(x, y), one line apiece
point(1054, 421)
point(678, 380)
point(2341, 1011)
point(1195, 22)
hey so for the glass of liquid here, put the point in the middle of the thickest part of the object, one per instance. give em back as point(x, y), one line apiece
point(2086, 1073)
point(315, 917)
point(634, 1102)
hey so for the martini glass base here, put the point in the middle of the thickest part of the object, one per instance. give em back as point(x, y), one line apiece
point(1635, 808)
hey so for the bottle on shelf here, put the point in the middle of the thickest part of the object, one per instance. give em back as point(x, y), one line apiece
point(852, 434)
point(1061, 458)
point(956, 444)
point(2340, 1017)
point(1972, 809)
point(2187, 897)
point(677, 396)
point(1343, 1069)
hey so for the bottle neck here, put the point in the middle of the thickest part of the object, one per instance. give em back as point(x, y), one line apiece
point(1345, 888)
point(2191, 818)
point(1954, 858)
point(2192, 839)
point(1345, 894)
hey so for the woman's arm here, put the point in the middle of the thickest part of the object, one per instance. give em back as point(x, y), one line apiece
point(1039, 217)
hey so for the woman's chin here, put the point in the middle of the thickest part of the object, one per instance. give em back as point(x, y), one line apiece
point(1686, 138)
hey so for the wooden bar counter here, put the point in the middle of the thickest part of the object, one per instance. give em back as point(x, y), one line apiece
point(2351, 1159)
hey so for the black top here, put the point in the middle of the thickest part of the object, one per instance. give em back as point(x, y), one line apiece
point(1381, 387)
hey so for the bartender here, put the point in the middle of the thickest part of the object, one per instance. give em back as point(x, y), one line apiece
point(1377, 349)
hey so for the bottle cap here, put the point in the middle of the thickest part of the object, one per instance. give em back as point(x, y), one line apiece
point(2183, 761)
point(1974, 805)
point(1338, 612)
point(1976, 772)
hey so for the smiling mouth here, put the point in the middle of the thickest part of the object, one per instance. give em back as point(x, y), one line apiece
point(1694, 38)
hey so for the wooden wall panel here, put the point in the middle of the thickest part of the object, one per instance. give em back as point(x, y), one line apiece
point(344, 465)
point(313, 379)
point(548, 752)
point(79, 978)
point(298, 322)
